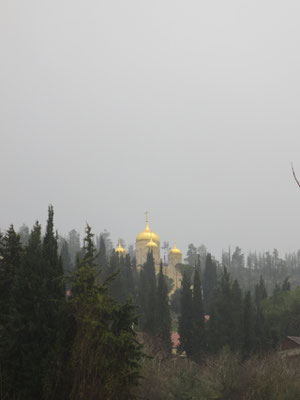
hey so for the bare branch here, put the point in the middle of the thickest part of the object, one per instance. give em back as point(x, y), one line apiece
point(298, 183)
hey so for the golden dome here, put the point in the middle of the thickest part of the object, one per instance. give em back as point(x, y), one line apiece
point(151, 243)
point(147, 234)
point(120, 249)
point(175, 250)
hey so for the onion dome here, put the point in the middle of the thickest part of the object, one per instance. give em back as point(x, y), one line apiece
point(147, 234)
point(151, 243)
point(120, 249)
point(175, 250)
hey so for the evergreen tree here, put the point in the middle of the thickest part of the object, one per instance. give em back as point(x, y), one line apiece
point(191, 255)
point(198, 334)
point(102, 360)
point(248, 326)
point(220, 327)
point(54, 291)
point(286, 286)
point(237, 316)
point(65, 258)
point(127, 272)
point(117, 287)
point(147, 295)
point(163, 318)
point(10, 264)
point(101, 259)
point(209, 282)
point(185, 323)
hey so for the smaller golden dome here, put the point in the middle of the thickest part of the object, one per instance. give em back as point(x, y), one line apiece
point(151, 243)
point(120, 249)
point(175, 250)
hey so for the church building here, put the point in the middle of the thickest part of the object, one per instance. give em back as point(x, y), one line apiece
point(147, 241)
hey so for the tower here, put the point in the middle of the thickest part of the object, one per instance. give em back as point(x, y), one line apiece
point(175, 256)
point(145, 241)
point(119, 250)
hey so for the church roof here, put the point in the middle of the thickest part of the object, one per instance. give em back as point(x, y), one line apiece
point(147, 234)
point(120, 249)
point(175, 250)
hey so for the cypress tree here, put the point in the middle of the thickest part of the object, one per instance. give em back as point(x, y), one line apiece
point(209, 282)
point(103, 355)
point(248, 326)
point(237, 316)
point(198, 335)
point(101, 258)
point(163, 319)
point(127, 273)
point(54, 291)
point(220, 322)
point(185, 323)
point(147, 295)
point(10, 265)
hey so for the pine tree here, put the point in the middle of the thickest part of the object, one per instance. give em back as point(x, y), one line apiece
point(209, 282)
point(198, 334)
point(163, 318)
point(185, 325)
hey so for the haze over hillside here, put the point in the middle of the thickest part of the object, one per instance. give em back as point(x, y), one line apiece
point(188, 109)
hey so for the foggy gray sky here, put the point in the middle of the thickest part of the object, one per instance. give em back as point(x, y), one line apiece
point(189, 109)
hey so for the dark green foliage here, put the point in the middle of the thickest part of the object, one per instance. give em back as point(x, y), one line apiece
point(104, 355)
point(286, 286)
point(147, 296)
point(163, 317)
point(220, 325)
point(128, 277)
point(185, 326)
point(198, 331)
point(237, 316)
point(209, 282)
point(101, 259)
point(66, 259)
point(10, 265)
point(248, 326)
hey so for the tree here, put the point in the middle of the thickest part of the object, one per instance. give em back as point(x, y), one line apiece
point(102, 360)
point(74, 245)
point(24, 234)
point(237, 316)
point(198, 334)
point(220, 327)
point(191, 255)
point(248, 326)
point(65, 258)
point(11, 253)
point(101, 258)
point(210, 282)
point(185, 323)
point(147, 295)
point(286, 286)
point(163, 317)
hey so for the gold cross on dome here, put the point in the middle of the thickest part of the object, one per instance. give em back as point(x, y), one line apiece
point(147, 213)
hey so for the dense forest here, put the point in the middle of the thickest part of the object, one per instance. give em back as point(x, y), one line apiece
point(79, 321)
